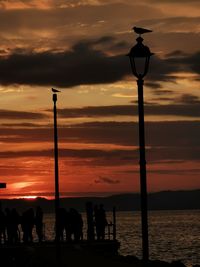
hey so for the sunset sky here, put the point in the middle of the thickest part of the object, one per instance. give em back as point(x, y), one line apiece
point(80, 47)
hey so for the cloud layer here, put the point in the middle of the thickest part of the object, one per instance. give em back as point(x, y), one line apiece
point(84, 64)
point(188, 108)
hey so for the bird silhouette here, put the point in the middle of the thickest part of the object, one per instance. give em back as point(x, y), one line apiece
point(141, 30)
point(55, 90)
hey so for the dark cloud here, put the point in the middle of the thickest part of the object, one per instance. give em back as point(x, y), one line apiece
point(49, 152)
point(186, 105)
point(188, 63)
point(106, 180)
point(162, 69)
point(16, 115)
point(117, 157)
point(162, 99)
point(168, 171)
point(173, 134)
point(98, 111)
point(102, 40)
point(188, 110)
point(165, 141)
point(178, 136)
point(154, 85)
point(23, 125)
point(83, 64)
point(176, 53)
point(176, 172)
point(158, 134)
point(28, 134)
point(173, 153)
point(192, 62)
point(163, 92)
point(58, 28)
point(188, 99)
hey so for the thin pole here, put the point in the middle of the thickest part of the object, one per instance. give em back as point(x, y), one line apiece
point(114, 223)
point(143, 183)
point(57, 197)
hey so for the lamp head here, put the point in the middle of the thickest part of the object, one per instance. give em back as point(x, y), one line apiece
point(139, 56)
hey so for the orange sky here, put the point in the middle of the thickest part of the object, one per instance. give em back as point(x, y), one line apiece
point(79, 47)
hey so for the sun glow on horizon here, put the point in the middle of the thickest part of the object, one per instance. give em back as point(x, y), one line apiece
point(29, 197)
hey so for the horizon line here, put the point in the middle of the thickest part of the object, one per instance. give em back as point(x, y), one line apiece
point(50, 195)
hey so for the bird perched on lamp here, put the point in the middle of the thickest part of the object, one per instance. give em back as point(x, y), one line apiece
point(55, 90)
point(141, 30)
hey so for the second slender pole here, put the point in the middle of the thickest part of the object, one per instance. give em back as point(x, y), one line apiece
point(143, 182)
point(57, 197)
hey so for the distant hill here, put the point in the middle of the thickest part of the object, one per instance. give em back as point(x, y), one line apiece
point(165, 200)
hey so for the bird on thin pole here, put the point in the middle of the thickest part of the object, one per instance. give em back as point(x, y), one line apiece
point(141, 30)
point(55, 90)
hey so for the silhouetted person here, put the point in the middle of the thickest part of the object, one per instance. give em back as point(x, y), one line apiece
point(61, 223)
point(39, 223)
point(8, 225)
point(77, 224)
point(68, 226)
point(100, 222)
point(96, 216)
point(24, 226)
point(15, 220)
point(2, 226)
point(27, 224)
point(90, 221)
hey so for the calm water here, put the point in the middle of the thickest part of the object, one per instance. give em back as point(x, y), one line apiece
point(173, 235)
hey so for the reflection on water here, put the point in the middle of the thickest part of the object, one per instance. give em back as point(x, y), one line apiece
point(172, 234)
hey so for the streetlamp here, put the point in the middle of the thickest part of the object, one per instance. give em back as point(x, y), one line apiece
point(139, 56)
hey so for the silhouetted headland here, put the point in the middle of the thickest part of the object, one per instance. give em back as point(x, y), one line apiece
point(165, 200)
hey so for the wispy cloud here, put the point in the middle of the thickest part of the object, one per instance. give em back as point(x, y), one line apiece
point(23, 115)
point(164, 140)
point(106, 180)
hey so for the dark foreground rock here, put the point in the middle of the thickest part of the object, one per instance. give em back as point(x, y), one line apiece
point(71, 255)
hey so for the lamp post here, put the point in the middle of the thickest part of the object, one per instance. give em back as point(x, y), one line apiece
point(139, 56)
point(57, 197)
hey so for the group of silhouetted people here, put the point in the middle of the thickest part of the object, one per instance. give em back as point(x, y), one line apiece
point(10, 220)
point(96, 220)
point(69, 224)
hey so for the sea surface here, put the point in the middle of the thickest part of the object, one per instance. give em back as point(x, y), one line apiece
point(173, 235)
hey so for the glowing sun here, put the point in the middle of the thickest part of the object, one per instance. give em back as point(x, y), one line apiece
point(30, 197)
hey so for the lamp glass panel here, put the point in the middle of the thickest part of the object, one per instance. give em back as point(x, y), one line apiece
point(140, 65)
